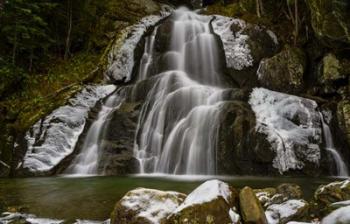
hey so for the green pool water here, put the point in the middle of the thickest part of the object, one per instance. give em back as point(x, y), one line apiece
point(93, 198)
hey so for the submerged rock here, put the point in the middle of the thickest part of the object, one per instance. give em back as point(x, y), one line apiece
point(287, 211)
point(211, 202)
point(146, 206)
point(284, 71)
point(251, 209)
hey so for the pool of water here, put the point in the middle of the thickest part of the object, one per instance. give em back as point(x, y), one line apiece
point(93, 198)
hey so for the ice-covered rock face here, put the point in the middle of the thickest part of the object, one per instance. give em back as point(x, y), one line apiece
point(121, 57)
point(146, 206)
point(292, 125)
point(237, 51)
point(54, 137)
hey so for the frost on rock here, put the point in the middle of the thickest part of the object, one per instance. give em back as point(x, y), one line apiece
point(152, 205)
point(339, 216)
point(121, 57)
point(237, 52)
point(282, 213)
point(8, 218)
point(53, 138)
point(208, 191)
point(292, 125)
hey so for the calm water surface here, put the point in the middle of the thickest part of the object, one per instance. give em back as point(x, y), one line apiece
point(94, 197)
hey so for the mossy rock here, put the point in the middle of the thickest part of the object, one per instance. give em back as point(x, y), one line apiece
point(283, 72)
point(251, 209)
point(343, 114)
point(330, 21)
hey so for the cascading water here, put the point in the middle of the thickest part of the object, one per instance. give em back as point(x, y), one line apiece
point(178, 126)
point(86, 163)
point(342, 169)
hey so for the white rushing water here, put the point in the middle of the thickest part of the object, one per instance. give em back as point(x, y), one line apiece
point(86, 163)
point(342, 169)
point(178, 126)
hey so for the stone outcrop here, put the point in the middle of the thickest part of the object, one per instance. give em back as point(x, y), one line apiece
point(251, 209)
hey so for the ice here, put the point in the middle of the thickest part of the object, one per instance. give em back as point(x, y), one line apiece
point(54, 137)
point(237, 51)
point(292, 125)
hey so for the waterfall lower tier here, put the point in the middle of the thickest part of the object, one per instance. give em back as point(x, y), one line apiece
point(86, 163)
point(342, 169)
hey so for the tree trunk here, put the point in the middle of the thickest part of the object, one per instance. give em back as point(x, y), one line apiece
point(69, 31)
point(14, 49)
point(296, 18)
point(257, 3)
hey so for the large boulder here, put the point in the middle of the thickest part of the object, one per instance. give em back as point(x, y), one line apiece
point(328, 194)
point(287, 211)
point(146, 206)
point(212, 202)
point(284, 71)
point(330, 21)
point(241, 150)
point(339, 216)
point(251, 209)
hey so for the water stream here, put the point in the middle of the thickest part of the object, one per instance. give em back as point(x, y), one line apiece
point(178, 125)
point(342, 169)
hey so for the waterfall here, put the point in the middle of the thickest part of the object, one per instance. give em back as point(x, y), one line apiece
point(178, 127)
point(342, 169)
point(86, 163)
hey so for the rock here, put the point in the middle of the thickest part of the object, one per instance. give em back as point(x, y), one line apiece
point(117, 155)
point(251, 209)
point(330, 21)
point(287, 211)
point(331, 68)
point(339, 216)
point(241, 150)
point(325, 195)
point(145, 206)
point(4, 169)
point(343, 114)
point(284, 71)
point(340, 204)
point(293, 128)
point(265, 195)
point(211, 202)
point(290, 191)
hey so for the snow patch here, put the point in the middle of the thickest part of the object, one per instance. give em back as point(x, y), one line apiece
point(274, 213)
point(9, 217)
point(341, 215)
point(206, 192)
point(154, 205)
point(237, 51)
point(121, 57)
point(292, 125)
point(235, 217)
point(53, 138)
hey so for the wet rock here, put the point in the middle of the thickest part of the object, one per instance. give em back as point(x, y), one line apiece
point(211, 202)
point(287, 211)
point(284, 71)
point(339, 216)
point(330, 21)
point(343, 114)
point(251, 209)
point(146, 206)
point(241, 150)
point(325, 195)
point(117, 156)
